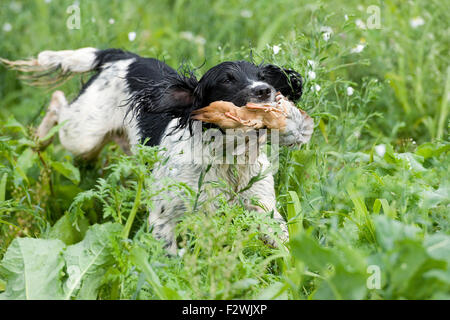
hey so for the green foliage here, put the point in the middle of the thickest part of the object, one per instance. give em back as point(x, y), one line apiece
point(47, 269)
point(366, 200)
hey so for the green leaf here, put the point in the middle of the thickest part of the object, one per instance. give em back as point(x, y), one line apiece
point(24, 163)
point(429, 149)
point(33, 269)
point(432, 198)
point(276, 291)
point(140, 258)
point(65, 230)
point(437, 246)
point(67, 170)
point(306, 249)
point(389, 231)
point(294, 214)
point(88, 260)
point(12, 123)
point(244, 284)
point(342, 285)
point(347, 278)
point(3, 187)
point(53, 131)
point(47, 269)
point(390, 212)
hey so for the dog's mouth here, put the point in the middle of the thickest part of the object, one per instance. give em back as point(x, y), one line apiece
point(269, 100)
point(247, 96)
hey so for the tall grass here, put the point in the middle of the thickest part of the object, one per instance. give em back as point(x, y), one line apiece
point(371, 189)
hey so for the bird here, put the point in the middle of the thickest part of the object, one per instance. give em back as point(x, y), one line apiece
point(251, 116)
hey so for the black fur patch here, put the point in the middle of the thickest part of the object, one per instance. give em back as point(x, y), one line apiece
point(158, 95)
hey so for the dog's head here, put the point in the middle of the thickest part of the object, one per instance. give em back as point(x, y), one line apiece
point(238, 82)
point(241, 82)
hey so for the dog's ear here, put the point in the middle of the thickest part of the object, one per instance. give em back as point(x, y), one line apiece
point(173, 96)
point(176, 99)
point(288, 82)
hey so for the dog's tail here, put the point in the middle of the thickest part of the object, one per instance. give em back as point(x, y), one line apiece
point(52, 68)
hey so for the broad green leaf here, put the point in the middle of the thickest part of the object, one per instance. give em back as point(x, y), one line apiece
point(347, 279)
point(276, 291)
point(88, 260)
point(244, 284)
point(33, 269)
point(342, 285)
point(388, 231)
point(47, 269)
point(412, 161)
point(306, 249)
point(432, 198)
point(438, 247)
point(428, 150)
point(65, 230)
point(25, 161)
point(410, 257)
point(12, 123)
point(67, 170)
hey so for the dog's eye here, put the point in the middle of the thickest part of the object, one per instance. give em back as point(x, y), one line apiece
point(228, 79)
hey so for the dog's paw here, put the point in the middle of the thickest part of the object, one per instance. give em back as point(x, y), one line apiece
point(275, 239)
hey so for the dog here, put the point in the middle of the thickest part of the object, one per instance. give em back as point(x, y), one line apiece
point(139, 100)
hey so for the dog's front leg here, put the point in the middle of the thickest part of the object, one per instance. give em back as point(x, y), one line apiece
point(264, 192)
point(162, 222)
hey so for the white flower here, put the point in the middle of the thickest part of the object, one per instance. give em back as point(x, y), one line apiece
point(132, 36)
point(187, 35)
point(326, 33)
point(93, 19)
point(380, 150)
point(359, 48)
point(311, 75)
point(246, 13)
point(200, 40)
point(181, 252)
point(48, 1)
point(350, 91)
point(311, 63)
point(15, 6)
point(7, 27)
point(360, 24)
point(276, 49)
point(111, 21)
point(346, 17)
point(316, 88)
point(416, 22)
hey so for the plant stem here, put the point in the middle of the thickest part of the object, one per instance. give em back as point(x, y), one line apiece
point(137, 201)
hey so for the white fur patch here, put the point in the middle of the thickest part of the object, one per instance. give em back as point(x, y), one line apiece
point(99, 111)
point(80, 60)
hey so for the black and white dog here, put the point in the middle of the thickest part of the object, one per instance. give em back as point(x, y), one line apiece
point(145, 99)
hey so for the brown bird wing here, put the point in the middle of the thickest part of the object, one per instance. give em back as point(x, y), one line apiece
point(227, 115)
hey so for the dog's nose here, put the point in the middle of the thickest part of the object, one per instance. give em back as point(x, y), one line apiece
point(262, 91)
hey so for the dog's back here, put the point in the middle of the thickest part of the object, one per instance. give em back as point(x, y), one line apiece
point(107, 105)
